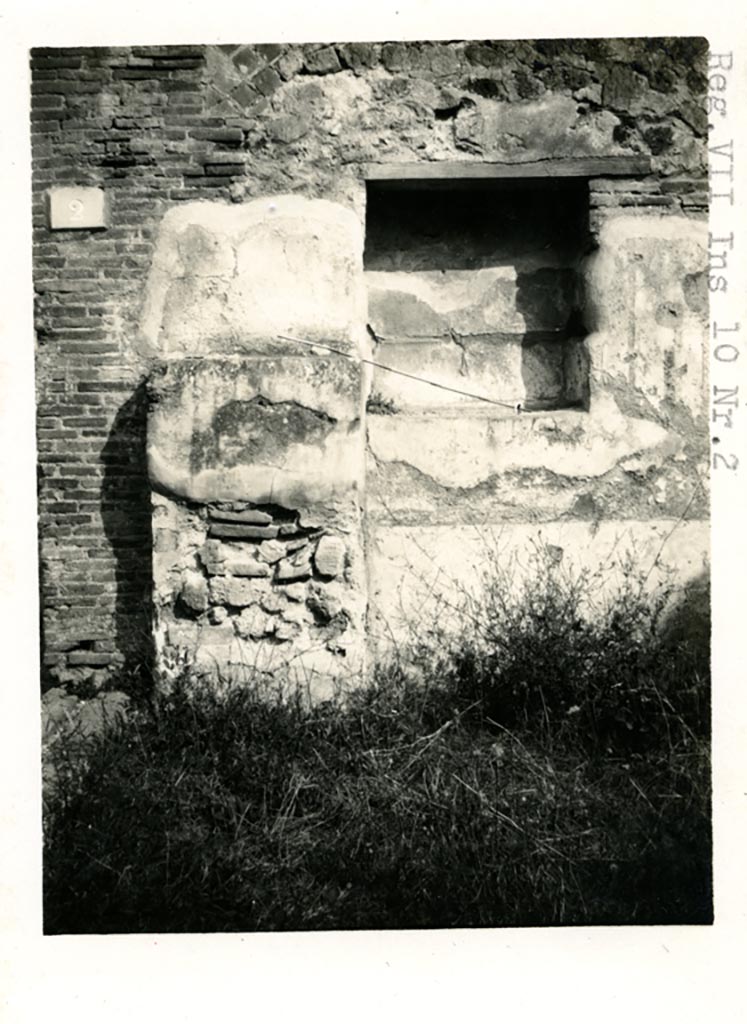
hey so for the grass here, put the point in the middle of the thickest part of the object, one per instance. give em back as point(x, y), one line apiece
point(550, 766)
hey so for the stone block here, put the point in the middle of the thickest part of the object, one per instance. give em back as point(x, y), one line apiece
point(296, 568)
point(287, 128)
point(295, 591)
point(242, 531)
point(395, 56)
point(322, 62)
point(359, 55)
point(644, 263)
point(271, 551)
point(246, 95)
point(254, 623)
point(194, 592)
point(401, 314)
point(267, 81)
point(506, 298)
point(182, 634)
point(253, 516)
point(89, 658)
point(165, 541)
point(270, 51)
point(247, 60)
point(329, 557)
point(297, 545)
point(217, 636)
point(211, 554)
point(248, 567)
point(287, 630)
point(542, 371)
point(273, 601)
point(290, 63)
point(297, 613)
point(324, 605)
point(238, 593)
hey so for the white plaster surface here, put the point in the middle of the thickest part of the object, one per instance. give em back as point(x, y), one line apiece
point(227, 273)
point(419, 576)
point(644, 330)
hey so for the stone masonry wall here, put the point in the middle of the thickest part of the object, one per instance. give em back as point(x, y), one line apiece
point(162, 127)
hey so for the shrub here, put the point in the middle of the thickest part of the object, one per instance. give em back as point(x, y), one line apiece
point(549, 766)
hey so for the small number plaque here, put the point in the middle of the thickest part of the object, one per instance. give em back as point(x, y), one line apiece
point(71, 208)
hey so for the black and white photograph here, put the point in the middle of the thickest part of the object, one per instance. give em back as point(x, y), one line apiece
point(373, 502)
point(380, 394)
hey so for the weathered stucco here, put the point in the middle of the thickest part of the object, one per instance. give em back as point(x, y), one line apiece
point(222, 276)
point(275, 429)
point(638, 449)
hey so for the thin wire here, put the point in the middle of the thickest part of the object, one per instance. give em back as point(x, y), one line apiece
point(516, 406)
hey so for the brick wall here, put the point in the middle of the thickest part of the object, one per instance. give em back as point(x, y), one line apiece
point(159, 125)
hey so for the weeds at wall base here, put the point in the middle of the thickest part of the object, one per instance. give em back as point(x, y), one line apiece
point(550, 768)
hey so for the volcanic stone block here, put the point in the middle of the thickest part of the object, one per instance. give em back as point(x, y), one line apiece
point(91, 658)
point(236, 592)
point(287, 630)
point(248, 567)
point(217, 636)
point(254, 623)
point(183, 634)
point(296, 568)
point(212, 556)
point(329, 557)
point(249, 515)
point(273, 601)
point(271, 551)
point(325, 606)
point(194, 592)
point(297, 613)
point(242, 531)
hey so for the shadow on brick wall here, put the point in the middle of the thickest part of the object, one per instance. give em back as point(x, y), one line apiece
point(126, 514)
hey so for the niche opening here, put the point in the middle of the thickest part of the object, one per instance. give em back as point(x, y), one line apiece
point(476, 284)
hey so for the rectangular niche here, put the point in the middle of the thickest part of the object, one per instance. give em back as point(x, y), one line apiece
point(474, 283)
